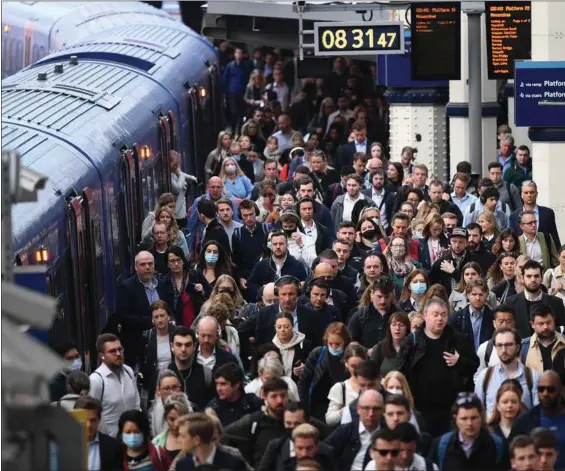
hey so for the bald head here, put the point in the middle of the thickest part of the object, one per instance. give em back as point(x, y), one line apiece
point(370, 409)
point(145, 266)
point(374, 164)
point(215, 188)
point(370, 396)
point(324, 270)
point(207, 331)
point(269, 294)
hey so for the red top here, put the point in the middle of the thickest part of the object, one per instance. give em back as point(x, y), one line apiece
point(188, 314)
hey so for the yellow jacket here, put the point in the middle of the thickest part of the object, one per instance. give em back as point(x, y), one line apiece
point(533, 357)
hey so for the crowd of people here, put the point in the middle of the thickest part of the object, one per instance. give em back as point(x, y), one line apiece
point(324, 305)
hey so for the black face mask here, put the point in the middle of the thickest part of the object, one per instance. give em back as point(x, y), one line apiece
point(289, 232)
point(370, 234)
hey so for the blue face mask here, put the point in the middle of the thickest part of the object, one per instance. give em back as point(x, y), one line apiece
point(76, 365)
point(418, 287)
point(269, 245)
point(133, 441)
point(211, 258)
point(335, 353)
point(417, 235)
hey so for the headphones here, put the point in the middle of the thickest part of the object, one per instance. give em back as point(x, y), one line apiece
point(306, 199)
point(482, 200)
point(317, 280)
point(257, 211)
point(286, 280)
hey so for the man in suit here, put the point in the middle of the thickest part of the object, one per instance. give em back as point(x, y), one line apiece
point(523, 302)
point(315, 233)
point(418, 180)
point(359, 144)
point(305, 320)
point(210, 353)
point(538, 246)
point(383, 198)
point(197, 431)
point(133, 300)
point(352, 442)
point(214, 230)
point(342, 207)
point(545, 216)
point(104, 452)
point(475, 322)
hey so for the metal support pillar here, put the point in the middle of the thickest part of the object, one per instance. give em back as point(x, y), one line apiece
point(475, 92)
point(7, 199)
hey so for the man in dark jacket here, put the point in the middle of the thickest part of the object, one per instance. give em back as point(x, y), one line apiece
point(280, 263)
point(211, 352)
point(435, 192)
point(317, 291)
point(133, 300)
point(485, 258)
point(381, 196)
point(351, 442)
point(487, 451)
point(214, 230)
point(436, 354)
point(195, 379)
point(446, 270)
point(232, 403)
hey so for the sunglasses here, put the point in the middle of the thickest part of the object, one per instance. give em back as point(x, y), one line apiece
point(269, 195)
point(385, 451)
point(549, 389)
point(226, 290)
point(466, 398)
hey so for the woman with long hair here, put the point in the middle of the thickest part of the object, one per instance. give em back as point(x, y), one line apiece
point(236, 183)
point(138, 451)
point(434, 291)
point(344, 393)
point(434, 242)
point(427, 209)
point(399, 260)
point(169, 439)
point(504, 268)
point(224, 284)
point(252, 130)
point(385, 353)
point(415, 286)
point(176, 237)
point(268, 201)
point(184, 290)
point(270, 367)
point(216, 155)
point(377, 151)
point(213, 262)
point(509, 287)
point(319, 122)
point(396, 383)
point(487, 221)
point(165, 200)
point(368, 236)
point(324, 367)
point(506, 241)
point(554, 278)
point(508, 407)
point(395, 175)
point(254, 89)
point(458, 298)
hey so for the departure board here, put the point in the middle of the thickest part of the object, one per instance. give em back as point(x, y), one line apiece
point(436, 41)
point(509, 36)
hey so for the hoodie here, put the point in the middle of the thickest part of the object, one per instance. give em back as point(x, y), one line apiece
point(287, 351)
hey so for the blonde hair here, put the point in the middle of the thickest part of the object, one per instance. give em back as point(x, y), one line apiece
point(238, 172)
point(237, 298)
point(306, 431)
point(173, 227)
point(490, 217)
point(405, 386)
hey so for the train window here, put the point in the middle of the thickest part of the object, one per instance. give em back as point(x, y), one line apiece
point(17, 56)
point(172, 130)
point(35, 55)
point(42, 52)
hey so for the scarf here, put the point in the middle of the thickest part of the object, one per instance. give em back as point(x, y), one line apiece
point(287, 351)
point(176, 293)
point(400, 268)
point(369, 243)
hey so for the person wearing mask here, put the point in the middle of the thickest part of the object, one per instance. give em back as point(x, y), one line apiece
point(78, 385)
point(323, 368)
point(547, 446)
point(279, 264)
point(470, 445)
point(155, 353)
point(213, 228)
point(236, 183)
point(351, 442)
point(507, 408)
point(133, 300)
point(369, 324)
point(446, 270)
point(520, 169)
point(225, 215)
point(400, 227)
point(507, 343)
point(523, 302)
point(536, 245)
point(213, 263)
point(399, 260)
point(437, 354)
point(460, 196)
point(475, 321)
point(385, 353)
point(252, 433)
point(415, 286)
point(68, 351)
point(300, 246)
point(234, 80)
point(104, 451)
point(504, 316)
point(231, 402)
point(195, 379)
point(540, 350)
point(509, 194)
point(523, 454)
point(197, 434)
point(409, 459)
point(113, 383)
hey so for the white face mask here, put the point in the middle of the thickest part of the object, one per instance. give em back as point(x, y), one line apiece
point(395, 391)
point(230, 169)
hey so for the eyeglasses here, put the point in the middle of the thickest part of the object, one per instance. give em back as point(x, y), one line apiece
point(549, 389)
point(176, 387)
point(529, 223)
point(116, 350)
point(505, 345)
point(394, 452)
point(175, 261)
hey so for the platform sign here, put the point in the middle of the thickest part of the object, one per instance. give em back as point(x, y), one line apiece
point(509, 36)
point(539, 93)
point(349, 39)
point(436, 41)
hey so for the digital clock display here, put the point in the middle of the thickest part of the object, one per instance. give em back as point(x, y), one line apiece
point(336, 39)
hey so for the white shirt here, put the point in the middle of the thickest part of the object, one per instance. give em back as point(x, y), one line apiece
point(282, 91)
point(209, 460)
point(163, 351)
point(334, 413)
point(493, 360)
point(348, 204)
point(361, 146)
point(94, 454)
point(377, 198)
point(119, 394)
point(365, 439)
point(209, 362)
point(533, 249)
point(291, 451)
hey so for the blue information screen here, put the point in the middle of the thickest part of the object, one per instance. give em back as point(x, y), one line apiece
point(539, 92)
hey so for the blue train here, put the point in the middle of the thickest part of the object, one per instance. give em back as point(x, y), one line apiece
point(100, 118)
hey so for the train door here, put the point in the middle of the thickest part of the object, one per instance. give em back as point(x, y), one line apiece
point(128, 211)
point(196, 133)
point(215, 93)
point(165, 155)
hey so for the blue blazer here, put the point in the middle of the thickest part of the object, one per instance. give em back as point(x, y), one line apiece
point(345, 157)
point(346, 444)
point(222, 460)
point(424, 252)
point(461, 322)
point(546, 223)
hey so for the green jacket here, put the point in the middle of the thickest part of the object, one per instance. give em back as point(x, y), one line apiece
point(515, 174)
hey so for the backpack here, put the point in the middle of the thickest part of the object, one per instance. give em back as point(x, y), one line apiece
point(237, 231)
point(527, 373)
point(446, 438)
point(318, 361)
point(488, 351)
point(524, 350)
point(103, 385)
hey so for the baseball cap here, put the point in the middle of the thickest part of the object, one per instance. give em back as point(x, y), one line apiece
point(459, 232)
